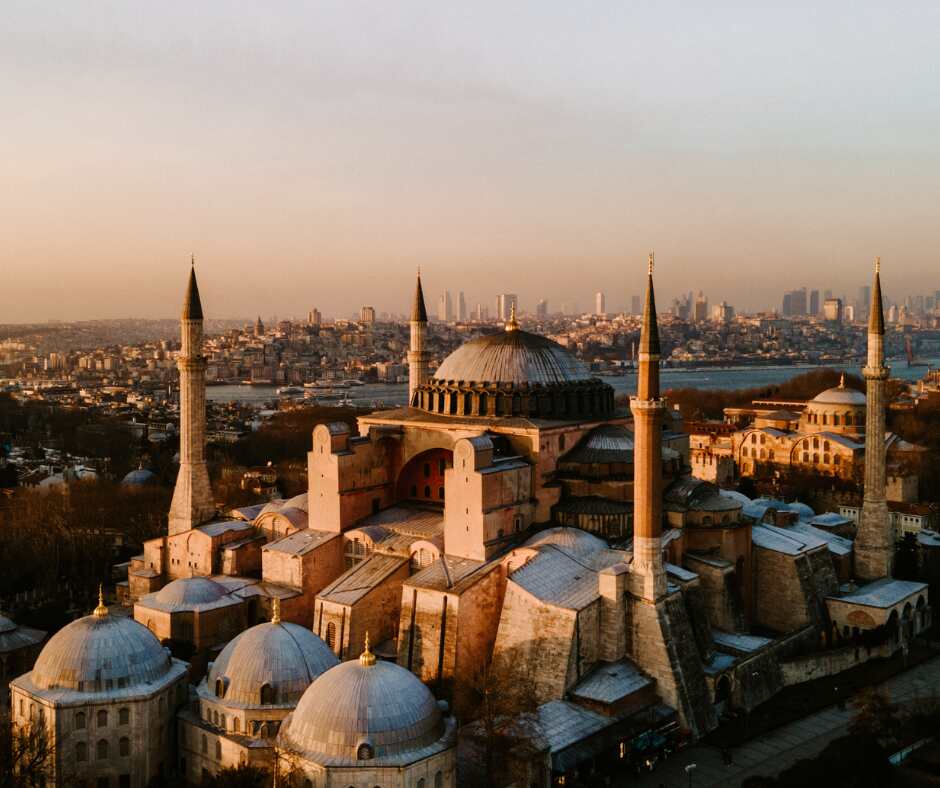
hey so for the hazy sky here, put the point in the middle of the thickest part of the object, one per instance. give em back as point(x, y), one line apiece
point(315, 153)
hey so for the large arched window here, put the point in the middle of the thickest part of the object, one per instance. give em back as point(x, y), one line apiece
point(101, 750)
point(102, 718)
point(439, 780)
point(79, 718)
point(124, 746)
point(218, 749)
point(124, 716)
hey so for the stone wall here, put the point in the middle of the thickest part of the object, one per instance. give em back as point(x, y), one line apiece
point(790, 589)
point(829, 663)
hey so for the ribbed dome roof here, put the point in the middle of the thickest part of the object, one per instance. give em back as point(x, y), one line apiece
point(191, 591)
point(7, 624)
point(140, 476)
point(96, 649)
point(381, 705)
point(512, 356)
point(284, 656)
point(839, 395)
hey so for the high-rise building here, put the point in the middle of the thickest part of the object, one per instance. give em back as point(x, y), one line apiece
point(445, 307)
point(600, 303)
point(700, 308)
point(504, 305)
point(461, 307)
point(635, 305)
point(814, 302)
point(723, 313)
point(314, 318)
point(832, 310)
point(827, 294)
point(794, 303)
point(367, 315)
point(541, 309)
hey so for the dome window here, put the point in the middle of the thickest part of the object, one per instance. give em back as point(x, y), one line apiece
point(365, 752)
point(267, 694)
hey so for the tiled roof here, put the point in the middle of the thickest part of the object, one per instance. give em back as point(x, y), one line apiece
point(358, 581)
point(611, 682)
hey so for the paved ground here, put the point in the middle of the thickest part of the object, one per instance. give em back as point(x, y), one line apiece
point(775, 751)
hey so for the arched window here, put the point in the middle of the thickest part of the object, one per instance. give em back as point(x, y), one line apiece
point(815, 443)
point(205, 744)
point(440, 493)
point(267, 694)
point(837, 460)
point(81, 751)
point(236, 725)
point(815, 459)
point(427, 491)
point(439, 780)
point(102, 718)
point(218, 750)
point(835, 419)
point(124, 716)
point(421, 783)
point(101, 750)
point(79, 718)
point(124, 746)
point(365, 753)
point(331, 635)
point(825, 445)
point(219, 688)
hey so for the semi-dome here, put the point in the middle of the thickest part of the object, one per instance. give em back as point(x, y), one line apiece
point(573, 541)
point(514, 373)
point(364, 709)
point(101, 652)
point(269, 664)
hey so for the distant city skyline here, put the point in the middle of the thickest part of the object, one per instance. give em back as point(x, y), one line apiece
point(320, 154)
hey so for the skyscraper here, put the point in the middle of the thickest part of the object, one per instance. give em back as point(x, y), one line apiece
point(541, 309)
point(461, 307)
point(700, 309)
point(504, 305)
point(600, 303)
point(814, 302)
point(367, 315)
point(445, 307)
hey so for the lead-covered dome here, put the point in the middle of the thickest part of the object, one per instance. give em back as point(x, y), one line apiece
point(514, 373)
point(839, 395)
point(515, 357)
point(191, 592)
point(101, 652)
point(364, 709)
point(269, 664)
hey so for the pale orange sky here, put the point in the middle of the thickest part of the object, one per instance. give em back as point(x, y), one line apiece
point(316, 154)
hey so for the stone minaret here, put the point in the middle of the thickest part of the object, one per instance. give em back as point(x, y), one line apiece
point(874, 542)
point(649, 578)
point(417, 355)
point(192, 499)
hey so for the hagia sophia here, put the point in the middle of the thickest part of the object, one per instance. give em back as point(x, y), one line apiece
point(513, 530)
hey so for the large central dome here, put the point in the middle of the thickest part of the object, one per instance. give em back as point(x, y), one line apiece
point(515, 357)
point(514, 373)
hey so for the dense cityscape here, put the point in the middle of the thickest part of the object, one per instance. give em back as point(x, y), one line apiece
point(434, 395)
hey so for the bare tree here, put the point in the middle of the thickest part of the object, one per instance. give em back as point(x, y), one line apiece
point(26, 753)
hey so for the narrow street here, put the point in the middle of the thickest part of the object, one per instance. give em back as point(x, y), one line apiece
point(773, 752)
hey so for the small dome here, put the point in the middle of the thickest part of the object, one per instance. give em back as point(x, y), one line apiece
point(363, 709)
point(191, 591)
point(100, 652)
point(284, 657)
point(803, 511)
point(573, 541)
point(139, 478)
point(515, 357)
point(7, 624)
point(839, 395)
point(609, 443)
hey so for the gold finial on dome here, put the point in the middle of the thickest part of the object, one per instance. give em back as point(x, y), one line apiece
point(842, 381)
point(512, 324)
point(367, 658)
point(276, 610)
point(650, 262)
point(101, 611)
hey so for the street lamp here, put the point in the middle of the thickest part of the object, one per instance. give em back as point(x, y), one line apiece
point(689, 769)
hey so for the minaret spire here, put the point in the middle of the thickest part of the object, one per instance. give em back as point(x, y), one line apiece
point(417, 355)
point(874, 541)
point(192, 498)
point(649, 578)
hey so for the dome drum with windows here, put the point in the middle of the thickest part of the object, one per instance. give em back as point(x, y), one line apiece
point(514, 373)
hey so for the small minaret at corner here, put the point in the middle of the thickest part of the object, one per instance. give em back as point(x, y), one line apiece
point(874, 541)
point(417, 355)
point(192, 502)
point(648, 577)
